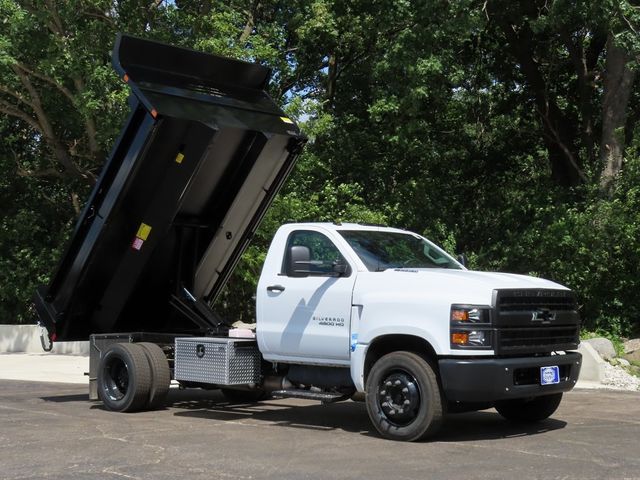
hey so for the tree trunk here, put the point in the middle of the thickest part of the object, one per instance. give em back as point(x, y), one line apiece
point(558, 131)
point(618, 82)
point(331, 80)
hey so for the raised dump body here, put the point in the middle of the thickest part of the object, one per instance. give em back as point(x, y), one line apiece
point(202, 155)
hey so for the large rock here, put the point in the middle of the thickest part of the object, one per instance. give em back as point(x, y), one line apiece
point(623, 362)
point(633, 356)
point(603, 346)
point(632, 345)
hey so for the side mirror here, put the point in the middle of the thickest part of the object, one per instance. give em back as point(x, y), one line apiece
point(340, 268)
point(298, 255)
point(299, 264)
point(462, 258)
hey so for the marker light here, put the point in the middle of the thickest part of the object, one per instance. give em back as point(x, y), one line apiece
point(459, 315)
point(459, 338)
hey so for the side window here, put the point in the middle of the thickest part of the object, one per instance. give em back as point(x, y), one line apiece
point(322, 254)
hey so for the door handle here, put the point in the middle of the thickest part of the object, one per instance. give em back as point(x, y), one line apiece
point(275, 288)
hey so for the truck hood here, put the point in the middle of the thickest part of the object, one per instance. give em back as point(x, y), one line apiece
point(451, 286)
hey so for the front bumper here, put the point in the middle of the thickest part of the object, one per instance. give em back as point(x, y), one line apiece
point(489, 380)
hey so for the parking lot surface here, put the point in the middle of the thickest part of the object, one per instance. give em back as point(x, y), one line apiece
point(52, 431)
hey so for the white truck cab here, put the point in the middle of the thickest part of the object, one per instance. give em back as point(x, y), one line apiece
point(348, 296)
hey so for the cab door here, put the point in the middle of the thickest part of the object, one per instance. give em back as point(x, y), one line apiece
point(304, 311)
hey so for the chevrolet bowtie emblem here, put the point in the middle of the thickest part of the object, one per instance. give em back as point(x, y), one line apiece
point(543, 315)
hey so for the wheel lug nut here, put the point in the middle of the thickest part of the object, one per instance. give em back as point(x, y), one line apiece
point(388, 383)
point(392, 412)
point(407, 402)
point(405, 390)
point(401, 411)
point(383, 392)
point(385, 404)
point(397, 382)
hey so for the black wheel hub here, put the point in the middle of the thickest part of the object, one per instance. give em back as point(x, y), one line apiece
point(399, 398)
point(116, 379)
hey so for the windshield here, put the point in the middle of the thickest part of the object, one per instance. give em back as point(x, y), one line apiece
point(380, 250)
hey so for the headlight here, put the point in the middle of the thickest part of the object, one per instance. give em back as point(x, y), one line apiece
point(470, 314)
point(470, 327)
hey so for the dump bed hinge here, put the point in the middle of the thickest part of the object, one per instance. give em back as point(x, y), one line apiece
point(199, 313)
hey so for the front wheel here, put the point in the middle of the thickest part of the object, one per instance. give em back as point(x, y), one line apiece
point(403, 397)
point(529, 410)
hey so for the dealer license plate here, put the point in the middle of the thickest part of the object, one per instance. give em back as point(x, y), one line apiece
point(549, 375)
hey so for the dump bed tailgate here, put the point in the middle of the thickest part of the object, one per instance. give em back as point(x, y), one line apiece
point(202, 155)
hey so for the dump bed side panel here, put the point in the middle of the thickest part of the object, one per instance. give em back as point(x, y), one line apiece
point(198, 162)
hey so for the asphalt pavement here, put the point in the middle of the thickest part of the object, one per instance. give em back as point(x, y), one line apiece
point(52, 431)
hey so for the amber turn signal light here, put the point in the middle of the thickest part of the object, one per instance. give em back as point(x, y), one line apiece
point(459, 315)
point(459, 338)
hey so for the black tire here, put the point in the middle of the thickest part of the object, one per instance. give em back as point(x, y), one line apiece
point(529, 410)
point(160, 375)
point(403, 397)
point(243, 396)
point(124, 378)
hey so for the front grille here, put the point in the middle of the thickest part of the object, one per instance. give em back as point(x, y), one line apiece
point(538, 339)
point(528, 300)
point(535, 321)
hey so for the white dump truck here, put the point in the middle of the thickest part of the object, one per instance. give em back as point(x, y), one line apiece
point(344, 311)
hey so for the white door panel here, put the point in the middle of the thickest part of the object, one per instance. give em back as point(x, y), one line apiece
point(305, 317)
point(311, 317)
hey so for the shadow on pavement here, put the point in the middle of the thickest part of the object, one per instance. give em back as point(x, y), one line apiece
point(81, 397)
point(489, 425)
point(348, 416)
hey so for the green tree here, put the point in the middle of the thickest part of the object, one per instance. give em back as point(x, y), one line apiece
point(505, 129)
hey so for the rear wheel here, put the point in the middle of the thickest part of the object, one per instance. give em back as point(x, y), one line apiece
point(160, 374)
point(403, 397)
point(529, 410)
point(124, 378)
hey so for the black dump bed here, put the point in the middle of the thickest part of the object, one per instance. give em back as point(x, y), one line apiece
point(198, 162)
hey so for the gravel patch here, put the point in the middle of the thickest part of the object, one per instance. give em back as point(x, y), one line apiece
point(617, 378)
